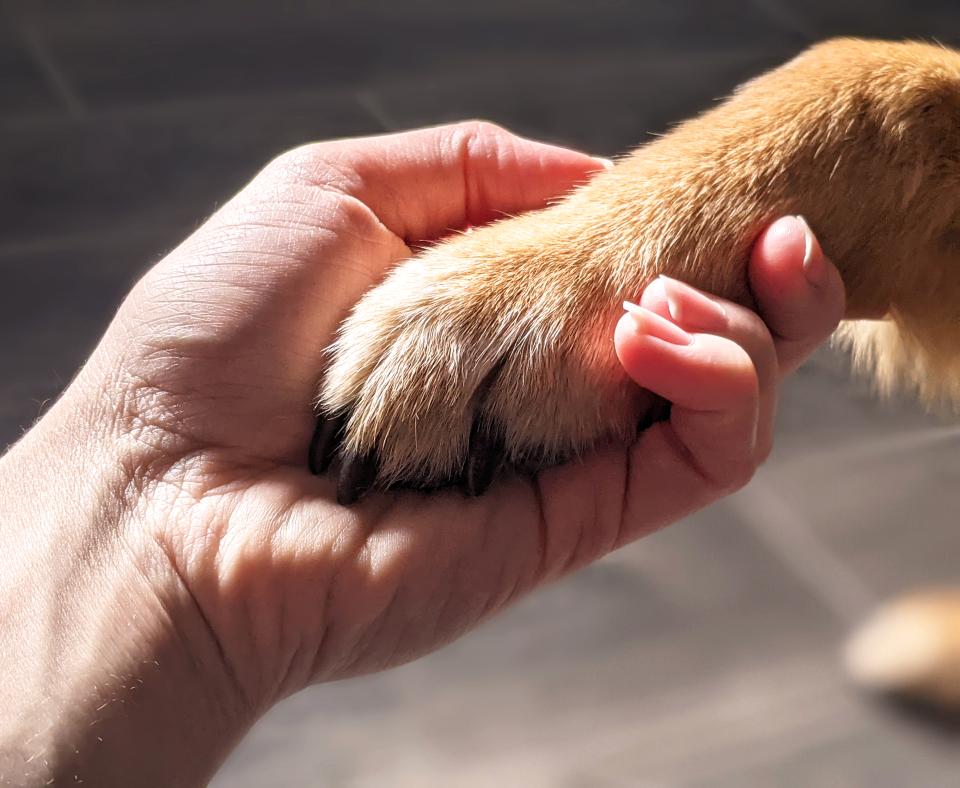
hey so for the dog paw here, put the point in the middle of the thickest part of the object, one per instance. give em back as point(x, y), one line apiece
point(483, 352)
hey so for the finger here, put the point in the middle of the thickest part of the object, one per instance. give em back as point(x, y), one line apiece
point(694, 310)
point(799, 292)
point(715, 390)
point(423, 183)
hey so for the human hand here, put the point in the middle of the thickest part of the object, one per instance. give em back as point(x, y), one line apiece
point(187, 530)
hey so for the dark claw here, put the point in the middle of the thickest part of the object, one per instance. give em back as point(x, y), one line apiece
point(325, 442)
point(484, 457)
point(485, 453)
point(357, 475)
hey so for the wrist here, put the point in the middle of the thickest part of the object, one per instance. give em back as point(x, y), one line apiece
point(108, 669)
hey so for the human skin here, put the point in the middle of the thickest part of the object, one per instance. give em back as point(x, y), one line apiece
point(170, 567)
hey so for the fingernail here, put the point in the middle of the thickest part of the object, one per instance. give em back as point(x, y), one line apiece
point(651, 324)
point(607, 164)
point(692, 309)
point(814, 267)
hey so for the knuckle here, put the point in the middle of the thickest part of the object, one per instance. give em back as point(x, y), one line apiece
point(477, 128)
point(297, 160)
point(313, 163)
point(479, 139)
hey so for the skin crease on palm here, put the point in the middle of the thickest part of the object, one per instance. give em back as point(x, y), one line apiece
point(171, 569)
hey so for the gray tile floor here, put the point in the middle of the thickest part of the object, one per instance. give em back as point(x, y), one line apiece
point(705, 655)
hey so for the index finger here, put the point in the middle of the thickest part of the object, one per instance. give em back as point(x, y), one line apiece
point(799, 292)
point(423, 183)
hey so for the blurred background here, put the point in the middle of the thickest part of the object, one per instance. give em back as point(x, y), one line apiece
point(706, 655)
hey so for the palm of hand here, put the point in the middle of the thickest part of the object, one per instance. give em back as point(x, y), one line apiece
point(295, 588)
point(219, 349)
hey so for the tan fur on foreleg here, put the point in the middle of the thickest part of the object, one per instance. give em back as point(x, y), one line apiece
point(504, 332)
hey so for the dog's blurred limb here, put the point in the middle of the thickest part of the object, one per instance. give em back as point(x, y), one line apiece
point(911, 648)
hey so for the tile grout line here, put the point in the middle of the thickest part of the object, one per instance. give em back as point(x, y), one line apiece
point(50, 70)
point(786, 534)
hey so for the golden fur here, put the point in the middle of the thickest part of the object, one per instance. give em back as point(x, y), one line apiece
point(911, 647)
point(505, 332)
